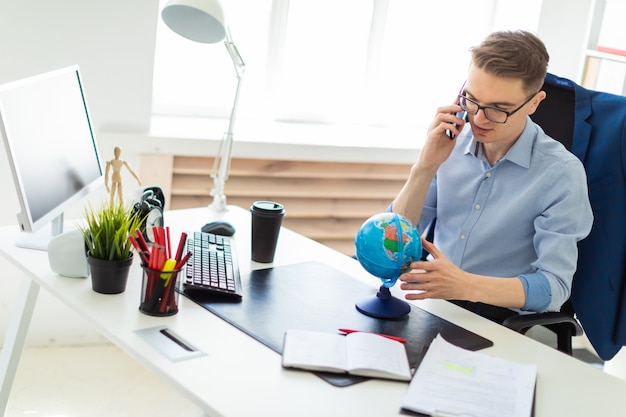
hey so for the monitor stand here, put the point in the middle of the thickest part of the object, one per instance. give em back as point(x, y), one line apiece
point(40, 239)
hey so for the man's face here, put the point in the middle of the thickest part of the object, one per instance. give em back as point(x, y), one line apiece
point(503, 93)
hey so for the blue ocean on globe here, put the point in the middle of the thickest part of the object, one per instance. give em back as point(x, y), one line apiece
point(386, 244)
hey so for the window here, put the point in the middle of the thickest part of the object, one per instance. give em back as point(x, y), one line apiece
point(607, 70)
point(345, 65)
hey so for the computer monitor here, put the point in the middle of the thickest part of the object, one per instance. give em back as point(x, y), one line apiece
point(51, 148)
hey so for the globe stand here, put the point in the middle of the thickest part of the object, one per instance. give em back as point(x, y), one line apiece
point(383, 305)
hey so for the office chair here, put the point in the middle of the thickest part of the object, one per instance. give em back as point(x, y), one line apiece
point(592, 125)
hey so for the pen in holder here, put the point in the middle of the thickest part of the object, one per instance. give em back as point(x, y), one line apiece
point(160, 271)
point(158, 292)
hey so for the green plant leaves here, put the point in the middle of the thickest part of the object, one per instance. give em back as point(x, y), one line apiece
point(106, 231)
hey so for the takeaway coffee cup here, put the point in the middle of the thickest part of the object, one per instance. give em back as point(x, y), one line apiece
point(267, 216)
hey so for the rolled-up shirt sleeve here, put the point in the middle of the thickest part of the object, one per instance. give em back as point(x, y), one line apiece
point(537, 291)
point(567, 219)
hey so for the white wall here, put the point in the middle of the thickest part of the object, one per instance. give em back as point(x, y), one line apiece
point(113, 43)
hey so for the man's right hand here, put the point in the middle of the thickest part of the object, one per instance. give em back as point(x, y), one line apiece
point(438, 146)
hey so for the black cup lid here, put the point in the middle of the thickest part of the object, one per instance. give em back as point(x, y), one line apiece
point(267, 207)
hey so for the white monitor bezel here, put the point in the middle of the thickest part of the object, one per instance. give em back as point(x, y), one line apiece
point(54, 216)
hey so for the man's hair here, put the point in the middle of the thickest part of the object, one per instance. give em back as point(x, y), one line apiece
point(513, 54)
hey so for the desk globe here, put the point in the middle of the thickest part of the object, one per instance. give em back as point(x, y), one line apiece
point(386, 244)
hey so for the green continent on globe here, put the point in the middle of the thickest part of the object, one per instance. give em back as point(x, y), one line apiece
point(391, 238)
point(386, 244)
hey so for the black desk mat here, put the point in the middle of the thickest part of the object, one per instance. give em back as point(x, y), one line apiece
point(316, 296)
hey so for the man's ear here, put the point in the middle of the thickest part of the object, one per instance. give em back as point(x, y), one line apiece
point(534, 103)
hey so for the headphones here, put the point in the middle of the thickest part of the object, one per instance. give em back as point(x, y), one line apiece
point(150, 209)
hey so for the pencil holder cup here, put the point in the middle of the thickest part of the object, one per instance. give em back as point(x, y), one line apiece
point(158, 292)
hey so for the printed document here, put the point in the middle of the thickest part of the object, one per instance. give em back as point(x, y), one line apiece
point(454, 381)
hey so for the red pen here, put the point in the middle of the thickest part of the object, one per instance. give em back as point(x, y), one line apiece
point(142, 242)
point(396, 338)
point(168, 242)
point(181, 246)
point(184, 260)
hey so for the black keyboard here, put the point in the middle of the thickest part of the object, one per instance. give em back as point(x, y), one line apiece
point(213, 266)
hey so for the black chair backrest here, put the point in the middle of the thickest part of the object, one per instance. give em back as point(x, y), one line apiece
point(555, 114)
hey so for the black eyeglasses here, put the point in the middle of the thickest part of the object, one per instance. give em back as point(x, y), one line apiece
point(493, 114)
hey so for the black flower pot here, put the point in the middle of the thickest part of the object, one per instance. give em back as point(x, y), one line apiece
point(109, 277)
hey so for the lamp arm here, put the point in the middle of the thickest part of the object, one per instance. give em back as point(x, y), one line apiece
point(238, 63)
point(221, 165)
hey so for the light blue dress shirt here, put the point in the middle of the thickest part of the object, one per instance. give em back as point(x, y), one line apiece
point(521, 217)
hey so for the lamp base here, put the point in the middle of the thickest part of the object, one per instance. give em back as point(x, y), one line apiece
point(218, 205)
point(383, 305)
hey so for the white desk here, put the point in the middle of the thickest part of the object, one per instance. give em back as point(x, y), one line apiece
point(239, 376)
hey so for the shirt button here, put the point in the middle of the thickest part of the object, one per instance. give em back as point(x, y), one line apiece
point(488, 175)
point(477, 206)
point(462, 237)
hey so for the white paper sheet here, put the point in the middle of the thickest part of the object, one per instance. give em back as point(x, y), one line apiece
point(452, 381)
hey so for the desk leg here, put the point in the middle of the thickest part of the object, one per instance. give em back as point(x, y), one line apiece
point(15, 337)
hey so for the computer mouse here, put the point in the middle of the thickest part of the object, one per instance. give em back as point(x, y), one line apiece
point(219, 228)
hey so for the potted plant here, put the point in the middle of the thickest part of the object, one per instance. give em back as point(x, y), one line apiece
point(109, 251)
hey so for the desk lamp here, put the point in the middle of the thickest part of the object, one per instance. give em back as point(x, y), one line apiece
point(203, 21)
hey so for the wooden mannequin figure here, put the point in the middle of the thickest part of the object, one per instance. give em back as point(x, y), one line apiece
point(116, 177)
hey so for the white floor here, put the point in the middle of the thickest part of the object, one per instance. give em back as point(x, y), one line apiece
point(94, 381)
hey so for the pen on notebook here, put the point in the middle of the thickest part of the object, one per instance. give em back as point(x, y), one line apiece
point(396, 338)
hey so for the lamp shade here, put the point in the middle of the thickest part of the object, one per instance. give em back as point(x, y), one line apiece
point(197, 20)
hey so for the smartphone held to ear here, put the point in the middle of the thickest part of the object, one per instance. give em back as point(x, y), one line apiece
point(460, 115)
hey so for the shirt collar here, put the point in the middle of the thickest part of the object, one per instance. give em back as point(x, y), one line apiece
point(519, 153)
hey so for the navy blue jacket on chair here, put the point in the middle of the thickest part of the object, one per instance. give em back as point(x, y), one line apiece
point(598, 139)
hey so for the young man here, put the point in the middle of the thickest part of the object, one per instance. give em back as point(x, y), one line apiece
point(510, 202)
